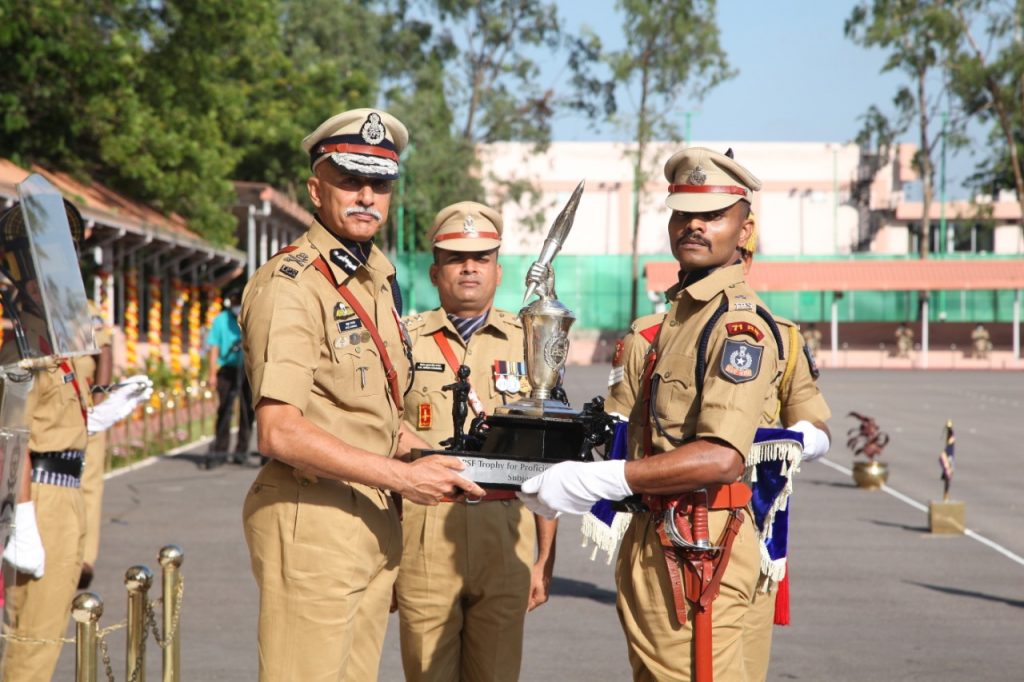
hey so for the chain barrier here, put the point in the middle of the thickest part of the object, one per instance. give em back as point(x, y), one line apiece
point(163, 641)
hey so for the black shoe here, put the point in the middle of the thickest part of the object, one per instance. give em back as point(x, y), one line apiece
point(240, 458)
point(85, 577)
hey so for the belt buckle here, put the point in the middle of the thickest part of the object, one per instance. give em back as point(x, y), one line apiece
point(470, 500)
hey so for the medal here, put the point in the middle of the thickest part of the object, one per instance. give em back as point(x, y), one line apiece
point(500, 383)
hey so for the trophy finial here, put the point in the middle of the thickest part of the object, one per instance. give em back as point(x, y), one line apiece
point(540, 274)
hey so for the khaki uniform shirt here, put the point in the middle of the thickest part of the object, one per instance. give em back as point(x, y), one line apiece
point(628, 366)
point(500, 339)
point(742, 370)
point(306, 347)
point(54, 407)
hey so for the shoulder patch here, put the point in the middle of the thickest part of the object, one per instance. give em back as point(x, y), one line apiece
point(741, 328)
point(741, 361)
point(620, 346)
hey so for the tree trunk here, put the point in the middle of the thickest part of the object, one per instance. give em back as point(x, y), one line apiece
point(638, 182)
point(927, 184)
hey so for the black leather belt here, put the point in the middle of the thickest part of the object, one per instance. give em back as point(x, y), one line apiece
point(65, 463)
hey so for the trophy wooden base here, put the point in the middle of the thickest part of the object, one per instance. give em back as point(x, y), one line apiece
point(947, 518)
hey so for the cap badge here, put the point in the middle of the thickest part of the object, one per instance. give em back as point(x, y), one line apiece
point(697, 176)
point(372, 131)
point(469, 227)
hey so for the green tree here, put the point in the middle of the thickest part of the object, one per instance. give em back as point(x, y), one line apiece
point(917, 36)
point(672, 51)
point(987, 76)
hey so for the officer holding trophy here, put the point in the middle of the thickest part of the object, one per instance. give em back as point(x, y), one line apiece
point(326, 357)
point(462, 611)
point(689, 564)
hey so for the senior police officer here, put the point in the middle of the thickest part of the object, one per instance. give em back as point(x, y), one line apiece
point(56, 414)
point(468, 572)
point(326, 356)
point(710, 380)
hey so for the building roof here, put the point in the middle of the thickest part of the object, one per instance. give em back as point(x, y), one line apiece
point(106, 208)
point(865, 275)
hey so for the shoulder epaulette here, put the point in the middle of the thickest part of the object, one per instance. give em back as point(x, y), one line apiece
point(293, 259)
point(413, 322)
point(509, 318)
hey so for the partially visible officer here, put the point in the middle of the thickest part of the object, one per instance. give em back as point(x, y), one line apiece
point(56, 413)
point(710, 380)
point(801, 408)
point(468, 573)
point(97, 371)
point(326, 356)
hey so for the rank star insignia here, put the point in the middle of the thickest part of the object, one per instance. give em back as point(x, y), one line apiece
point(373, 130)
point(469, 227)
point(697, 176)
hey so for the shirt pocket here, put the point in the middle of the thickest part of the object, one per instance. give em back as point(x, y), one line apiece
point(358, 372)
point(676, 392)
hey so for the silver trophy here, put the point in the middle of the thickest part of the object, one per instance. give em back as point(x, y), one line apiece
point(546, 323)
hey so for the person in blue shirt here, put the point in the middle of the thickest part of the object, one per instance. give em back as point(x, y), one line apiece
point(228, 378)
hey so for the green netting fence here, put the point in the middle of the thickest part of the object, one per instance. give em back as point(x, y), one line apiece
point(597, 289)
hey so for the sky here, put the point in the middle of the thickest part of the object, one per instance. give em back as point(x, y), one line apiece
point(800, 79)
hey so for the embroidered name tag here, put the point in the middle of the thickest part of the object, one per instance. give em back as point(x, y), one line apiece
point(430, 367)
point(349, 325)
point(748, 328)
point(741, 361)
point(69, 377)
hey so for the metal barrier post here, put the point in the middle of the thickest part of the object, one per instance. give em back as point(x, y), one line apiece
point(137, 581)
point(86, 609)
point(171, 557)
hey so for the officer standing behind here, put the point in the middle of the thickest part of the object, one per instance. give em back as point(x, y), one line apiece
point(227, 377)
point(325, 353)
point(982, 342)
point(709, 383)
point(468, 573)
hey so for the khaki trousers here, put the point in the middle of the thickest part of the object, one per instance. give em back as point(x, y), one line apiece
point(660, 649)
point(757, 633)
point(325, 555)
point(40, 608)
point(92, 492)
point(463, 590)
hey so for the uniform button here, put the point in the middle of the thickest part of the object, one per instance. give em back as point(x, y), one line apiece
point(469, 352)
point(507, 503)
point(257, 487)
point(304, 483)
point(667, 374)
point(359, 349)
point(385, 344)
point(672, 323)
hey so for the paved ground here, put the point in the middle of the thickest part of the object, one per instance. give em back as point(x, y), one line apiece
point(875, 596)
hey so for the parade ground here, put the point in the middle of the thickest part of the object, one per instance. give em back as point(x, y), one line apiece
point(875, 596)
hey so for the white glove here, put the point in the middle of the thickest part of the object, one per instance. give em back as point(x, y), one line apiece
point(816, 441)
point(24, 547)
point(574, 487)
point(120, 402)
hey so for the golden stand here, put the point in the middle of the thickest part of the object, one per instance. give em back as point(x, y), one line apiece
point(947, 518)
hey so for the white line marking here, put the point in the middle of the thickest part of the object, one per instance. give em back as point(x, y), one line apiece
point(153, 459)
point(920, 507)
